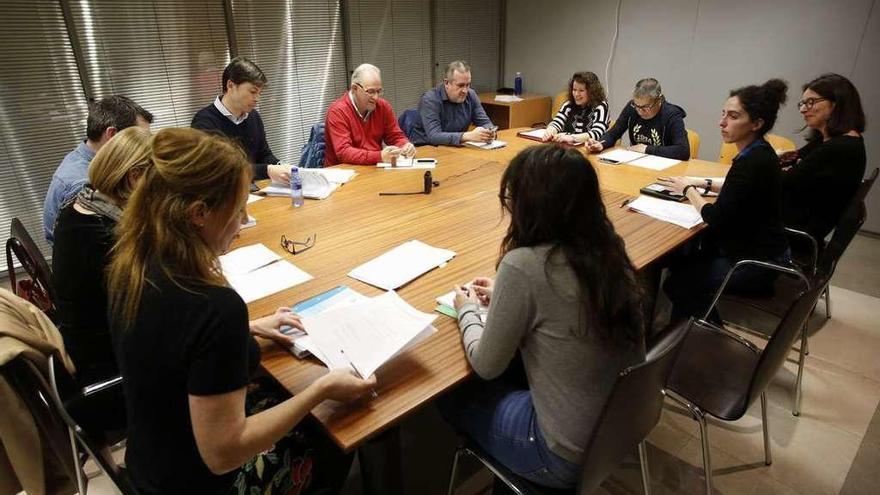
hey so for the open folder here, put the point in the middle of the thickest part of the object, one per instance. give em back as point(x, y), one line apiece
point(365, 335)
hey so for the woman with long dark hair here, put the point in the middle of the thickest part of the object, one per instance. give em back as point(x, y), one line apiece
point(584, 115)
point(566, 299)
point(819, 179)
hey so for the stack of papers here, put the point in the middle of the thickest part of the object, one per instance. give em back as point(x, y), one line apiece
point(365, 335)
point(446, 305)
point(683, 215)
point(508, 98)
point(400, 265)
point(637, 159)
point(255, 271)
point(410, 163)
point(534, 134)
point(495, 144)
point(318, 183)
point(338, 297)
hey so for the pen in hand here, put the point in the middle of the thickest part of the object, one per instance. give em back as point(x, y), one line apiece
point(373, 393)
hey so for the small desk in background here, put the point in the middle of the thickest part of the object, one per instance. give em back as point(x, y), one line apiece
point(506, 115)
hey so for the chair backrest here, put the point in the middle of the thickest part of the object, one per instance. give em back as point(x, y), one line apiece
point(312, 154)
point(728, 150)
point(408, 120)
point(787, 331)
point(558, 100)
point(632, 410)
point(22, 246)
point(847, 227)
point(694, 143)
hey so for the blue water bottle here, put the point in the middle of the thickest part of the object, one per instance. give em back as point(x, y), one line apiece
point(296, 187)
point(517, 84)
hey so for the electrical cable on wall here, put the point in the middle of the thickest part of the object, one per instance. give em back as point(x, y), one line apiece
point(611, 51)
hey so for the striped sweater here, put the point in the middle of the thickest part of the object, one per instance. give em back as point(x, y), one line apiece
point(576, 120)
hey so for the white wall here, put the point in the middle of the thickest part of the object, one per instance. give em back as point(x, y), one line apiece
point(699, 50)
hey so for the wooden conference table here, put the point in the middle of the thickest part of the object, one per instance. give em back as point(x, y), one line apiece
point(355, 224)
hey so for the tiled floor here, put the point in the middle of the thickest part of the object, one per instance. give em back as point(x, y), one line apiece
point(812, 454)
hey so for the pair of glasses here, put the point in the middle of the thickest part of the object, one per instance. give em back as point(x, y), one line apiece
point(644, 107)
point(296, 247)
point(809, 102)
point(372, 92)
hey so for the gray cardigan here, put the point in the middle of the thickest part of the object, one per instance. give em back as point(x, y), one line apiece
point(534, 308)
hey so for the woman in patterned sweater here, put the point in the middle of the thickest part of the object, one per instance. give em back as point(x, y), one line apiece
point(585, 114)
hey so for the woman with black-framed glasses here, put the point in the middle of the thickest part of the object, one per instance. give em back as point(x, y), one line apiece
point(654, 125)
point(819, 179)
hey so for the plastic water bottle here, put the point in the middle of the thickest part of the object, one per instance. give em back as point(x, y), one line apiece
point(517, 84)
point(296, 187)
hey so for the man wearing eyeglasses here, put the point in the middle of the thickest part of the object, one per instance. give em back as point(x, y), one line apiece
point(655, 126)
point(360, 128)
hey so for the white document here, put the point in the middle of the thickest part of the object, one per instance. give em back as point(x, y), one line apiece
point(365, 335)
point(495, 144)
point(302, 343)
point(315, 185)
point(535, 133)
point(251, 222)
point(337, 175)
point(253, 198)
point(637, 159)
point(683, 215)
point(410, 163)
point(267, 280)
point(508, 98)
point(247, 259)
point(401, 264)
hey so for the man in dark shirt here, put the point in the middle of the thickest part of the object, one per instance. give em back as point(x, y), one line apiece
point(234, 115)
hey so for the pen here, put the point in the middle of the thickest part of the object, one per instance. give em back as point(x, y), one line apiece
point(626, 202)
point(609, 160)
point(373, 392)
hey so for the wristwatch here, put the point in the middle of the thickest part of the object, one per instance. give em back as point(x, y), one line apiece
point(708, 186)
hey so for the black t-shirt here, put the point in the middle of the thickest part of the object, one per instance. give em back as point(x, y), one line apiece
point(746, 220)
point(79, 256)
point(190, 340)
point(818, 188)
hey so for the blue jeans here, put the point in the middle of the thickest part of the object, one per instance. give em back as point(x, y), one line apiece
point(501, 419)
point(695, 278)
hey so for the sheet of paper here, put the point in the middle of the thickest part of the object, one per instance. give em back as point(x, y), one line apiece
point(654, 162)
point(267, 280)
point(535, 133)
point(247, 259)
point(365, 335)
point(620, 155)
point(337, 175)
point(401, 264)
point(487, 146)
point(253, 198)
point(681, 214)
point(336, 298)
point(251, 222)
point(410, 163)
point(508, 98)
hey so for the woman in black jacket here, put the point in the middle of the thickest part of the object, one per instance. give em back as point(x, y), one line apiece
point(820, 179)
point(745, 222)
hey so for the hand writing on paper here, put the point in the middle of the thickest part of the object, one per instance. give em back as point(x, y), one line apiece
point(343, 385)
point(594, 146)
point(564, 138)
point(388, 152)
point(478, 135)
point(268, 327)
point(463, 296)
point(483, 286)
point(549, 133)
point(408, 150)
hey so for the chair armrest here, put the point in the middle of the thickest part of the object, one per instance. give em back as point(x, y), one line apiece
point(814, 246)
point(733, 335)
point(94, 388)
point(760, 264)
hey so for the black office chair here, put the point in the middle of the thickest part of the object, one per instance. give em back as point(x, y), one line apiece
point(761, 314)
point(721, 374)
point(631, 412)
point(22, 246)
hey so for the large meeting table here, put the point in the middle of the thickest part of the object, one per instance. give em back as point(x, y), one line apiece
point(463, 214)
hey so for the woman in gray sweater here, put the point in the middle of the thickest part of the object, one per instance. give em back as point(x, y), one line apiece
point(566, 300)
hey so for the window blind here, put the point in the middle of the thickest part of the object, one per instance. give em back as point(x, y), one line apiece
point(299, 46)
point(394, 35)
point(166, 55)
point(469, 31)
point(42, 110)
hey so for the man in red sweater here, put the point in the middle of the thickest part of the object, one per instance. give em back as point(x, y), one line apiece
point(359, 122)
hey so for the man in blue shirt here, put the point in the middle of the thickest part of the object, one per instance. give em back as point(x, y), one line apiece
point(106, 118)
point(449, 109)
